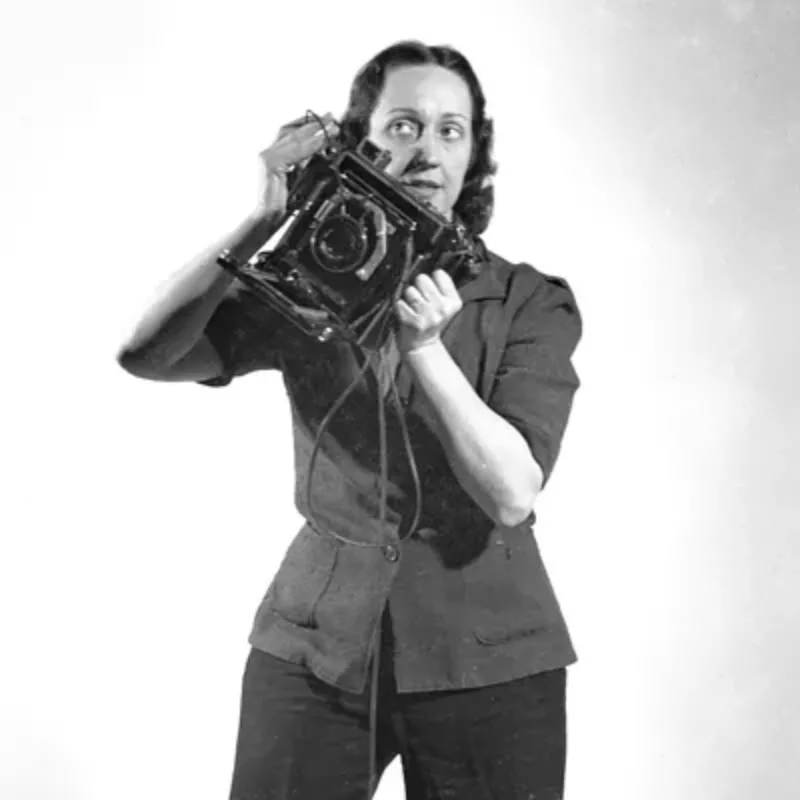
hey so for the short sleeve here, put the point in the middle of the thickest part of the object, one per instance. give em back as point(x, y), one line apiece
point(536, 381)
point(247, 334)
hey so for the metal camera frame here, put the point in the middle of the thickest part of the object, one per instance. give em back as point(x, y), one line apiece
point(399, 237)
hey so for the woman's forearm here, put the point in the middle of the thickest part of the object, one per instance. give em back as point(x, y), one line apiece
point(185, 302)
point(488, 456)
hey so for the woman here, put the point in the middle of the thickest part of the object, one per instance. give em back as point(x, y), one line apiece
point(470, 674)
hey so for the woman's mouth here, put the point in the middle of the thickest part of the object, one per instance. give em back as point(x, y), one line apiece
point(422, 188)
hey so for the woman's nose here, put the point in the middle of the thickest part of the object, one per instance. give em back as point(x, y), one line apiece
point(424, 156)
point(427, 148)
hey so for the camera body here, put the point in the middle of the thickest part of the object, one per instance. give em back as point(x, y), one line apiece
point(353, 238)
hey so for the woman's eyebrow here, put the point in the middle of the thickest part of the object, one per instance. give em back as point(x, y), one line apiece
point(408, 110)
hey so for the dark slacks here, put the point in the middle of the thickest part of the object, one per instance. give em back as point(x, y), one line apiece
point(300, 738)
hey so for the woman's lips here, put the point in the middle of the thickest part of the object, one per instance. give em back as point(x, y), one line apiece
point(423, 188)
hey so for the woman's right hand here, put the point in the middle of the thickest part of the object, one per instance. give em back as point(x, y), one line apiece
point(296, 142)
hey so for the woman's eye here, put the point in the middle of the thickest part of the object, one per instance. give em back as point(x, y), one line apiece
point(403, 127)
point(452, 132)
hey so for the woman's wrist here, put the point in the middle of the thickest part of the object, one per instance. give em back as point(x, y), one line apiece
point(262, 213)
point(420, 349)
point(252, 234)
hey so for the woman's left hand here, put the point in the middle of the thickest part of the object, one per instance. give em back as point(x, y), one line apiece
point(425, 309)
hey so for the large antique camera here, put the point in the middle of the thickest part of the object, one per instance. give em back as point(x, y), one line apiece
point(353, 238)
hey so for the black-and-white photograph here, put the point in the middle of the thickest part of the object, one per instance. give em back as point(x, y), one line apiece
point(400, 400)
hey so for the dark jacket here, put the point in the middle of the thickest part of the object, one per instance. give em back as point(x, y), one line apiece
point(468, 603)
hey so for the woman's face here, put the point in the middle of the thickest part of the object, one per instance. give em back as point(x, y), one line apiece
point(424, 118)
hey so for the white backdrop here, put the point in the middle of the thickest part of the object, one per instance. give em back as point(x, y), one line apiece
point(649, 154)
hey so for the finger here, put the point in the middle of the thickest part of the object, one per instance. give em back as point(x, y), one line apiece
point(331, 128)
point(404, 312)
point(310, 138)
point(444, 282)
point(324, 119)
point(297, 146)
point(305, 131)
point(296, 123)
point(289, 127)
point(414, 299)
point(315, 124)
point(426, 286)
point(309, 118)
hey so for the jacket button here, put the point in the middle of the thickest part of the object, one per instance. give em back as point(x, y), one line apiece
point(390, 551)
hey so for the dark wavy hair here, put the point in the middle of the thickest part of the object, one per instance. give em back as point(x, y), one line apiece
point(475, 204)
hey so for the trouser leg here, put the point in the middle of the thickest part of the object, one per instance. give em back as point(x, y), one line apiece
point(502, 742)
point(300, 738)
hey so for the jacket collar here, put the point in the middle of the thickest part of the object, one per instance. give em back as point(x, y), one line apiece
point(487, 284)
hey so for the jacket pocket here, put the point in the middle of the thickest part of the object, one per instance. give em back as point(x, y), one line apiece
point(509, 627)
point(303, 577)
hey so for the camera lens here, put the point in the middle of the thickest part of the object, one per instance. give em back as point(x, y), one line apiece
point(339, 244)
